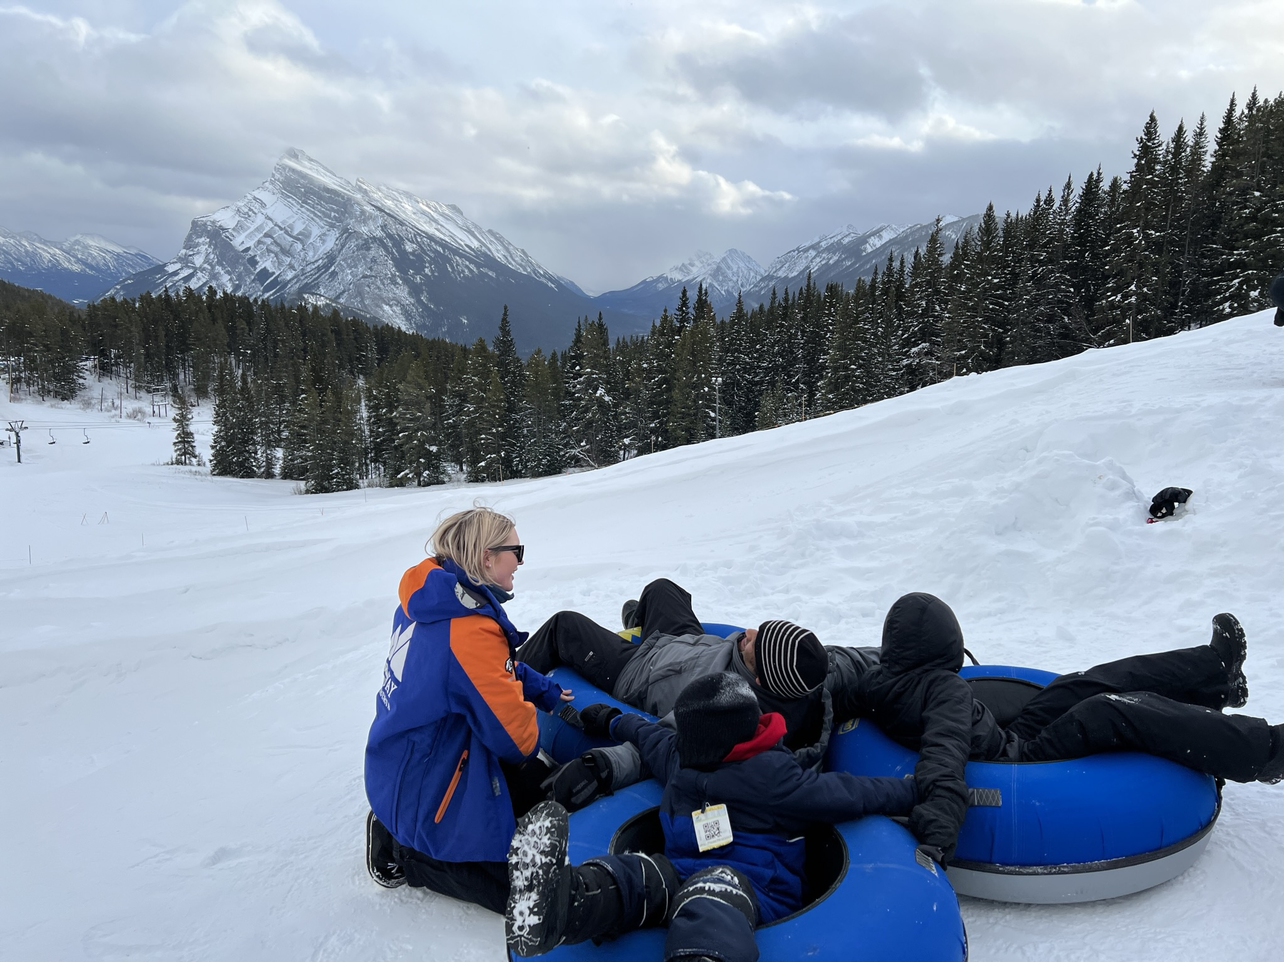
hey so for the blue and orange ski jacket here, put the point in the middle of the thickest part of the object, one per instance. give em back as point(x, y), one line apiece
point(454, 702)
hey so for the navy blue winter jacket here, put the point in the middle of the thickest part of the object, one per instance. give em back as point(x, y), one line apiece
point(771, 801)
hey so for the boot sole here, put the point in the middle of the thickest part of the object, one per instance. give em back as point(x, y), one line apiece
point(1228, 627)
point(537, 872)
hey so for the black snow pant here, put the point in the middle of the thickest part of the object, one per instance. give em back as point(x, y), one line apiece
point(712, 913)
point(599, 654)
point(1167, 704)
point(482, 883)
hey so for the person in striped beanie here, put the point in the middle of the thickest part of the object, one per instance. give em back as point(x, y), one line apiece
point(787, 659)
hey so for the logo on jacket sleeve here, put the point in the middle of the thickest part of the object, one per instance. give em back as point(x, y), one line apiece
point(467, 598)
point(395, 666)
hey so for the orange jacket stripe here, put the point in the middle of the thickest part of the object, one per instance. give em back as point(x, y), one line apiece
point(480, 647)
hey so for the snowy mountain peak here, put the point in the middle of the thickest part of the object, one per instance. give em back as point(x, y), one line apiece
point(307, 234)
point(295, 162)
point(723, 277)
point(730, 272)
point(77, 270)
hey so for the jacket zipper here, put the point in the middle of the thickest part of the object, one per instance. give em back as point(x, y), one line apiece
point(450, 789)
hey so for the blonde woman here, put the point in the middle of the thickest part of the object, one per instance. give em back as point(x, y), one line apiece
point(451, 757)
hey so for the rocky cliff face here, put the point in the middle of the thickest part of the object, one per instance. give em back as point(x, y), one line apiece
point(382, 254)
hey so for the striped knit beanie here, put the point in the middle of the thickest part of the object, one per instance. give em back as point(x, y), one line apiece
point(791, 660)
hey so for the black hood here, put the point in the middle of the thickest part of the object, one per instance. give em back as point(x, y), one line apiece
point(921, 632)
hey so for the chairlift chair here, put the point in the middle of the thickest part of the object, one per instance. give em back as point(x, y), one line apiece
point(52, 439)
point(86, 441)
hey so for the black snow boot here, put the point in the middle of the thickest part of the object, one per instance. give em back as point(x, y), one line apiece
point(552, 903)
point(539, 879)
point(629, 613)
point(1273, 770)
point(1232, 648)
point(381, 855)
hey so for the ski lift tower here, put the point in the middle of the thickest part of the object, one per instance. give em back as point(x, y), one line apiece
point(160, 401)
point(16, 428)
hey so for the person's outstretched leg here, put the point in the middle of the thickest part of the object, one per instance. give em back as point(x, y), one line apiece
point(666, 607)
point(552, 903)
point(1210, 676)
point(713, 916)
point(569, 638)
point(1237, 747)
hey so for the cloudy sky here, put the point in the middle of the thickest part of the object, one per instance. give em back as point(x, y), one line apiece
point(609, 139)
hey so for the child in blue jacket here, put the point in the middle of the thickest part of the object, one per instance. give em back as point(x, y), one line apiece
point(736, 805)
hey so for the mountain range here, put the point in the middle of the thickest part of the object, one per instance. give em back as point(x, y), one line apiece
point(382, 254)
point(78, 270)
point(840, 257)
point(385, 255)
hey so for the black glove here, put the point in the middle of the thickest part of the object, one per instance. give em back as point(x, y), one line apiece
point(579, 782)
point(929, 855)
point(597, 719)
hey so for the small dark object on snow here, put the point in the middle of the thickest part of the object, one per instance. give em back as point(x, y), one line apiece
point(1277, 295)
point(1164, 504)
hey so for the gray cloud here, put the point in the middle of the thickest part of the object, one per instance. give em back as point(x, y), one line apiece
point(609, 141)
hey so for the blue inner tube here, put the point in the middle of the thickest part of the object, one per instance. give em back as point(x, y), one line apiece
point(868, 890)
point(1095, 815)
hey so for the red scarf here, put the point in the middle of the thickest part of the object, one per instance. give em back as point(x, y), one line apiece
point(771, 728)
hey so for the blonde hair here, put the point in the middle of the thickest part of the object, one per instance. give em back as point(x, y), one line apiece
point(464, 538)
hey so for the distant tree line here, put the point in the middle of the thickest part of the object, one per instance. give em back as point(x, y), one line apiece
point(40, 343)
point(1192, 235)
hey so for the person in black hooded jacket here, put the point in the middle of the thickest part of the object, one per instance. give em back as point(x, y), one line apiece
point(1168, 704)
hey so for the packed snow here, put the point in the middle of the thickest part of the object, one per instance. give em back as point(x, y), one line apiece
point(188, 665)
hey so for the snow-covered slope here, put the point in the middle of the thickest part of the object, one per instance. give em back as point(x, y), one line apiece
point(188, 666)
point(77, 270)
point(724, 277)
point(383, 254)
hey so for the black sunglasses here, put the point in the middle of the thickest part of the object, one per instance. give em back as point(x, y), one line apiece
point(517, 549)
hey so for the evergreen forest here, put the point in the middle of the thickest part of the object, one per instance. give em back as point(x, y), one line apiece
point(1190, 236)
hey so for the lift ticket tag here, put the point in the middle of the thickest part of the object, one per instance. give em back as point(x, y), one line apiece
point(712, 827)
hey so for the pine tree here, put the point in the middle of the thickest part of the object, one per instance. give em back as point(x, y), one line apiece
point(184, 440)
point(691, 418)
point(541, 419)
point(740, 385)
point(302, 432)
point(682, 319)
point(657, 388)
point(1086, 253)
point(512, 378)
point(591, 399)
point(925, 312)
point(333, 465)
point(1134, 288)
point(481, 418)
point(418, 442)
point(844, 380)
point(223, 437)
